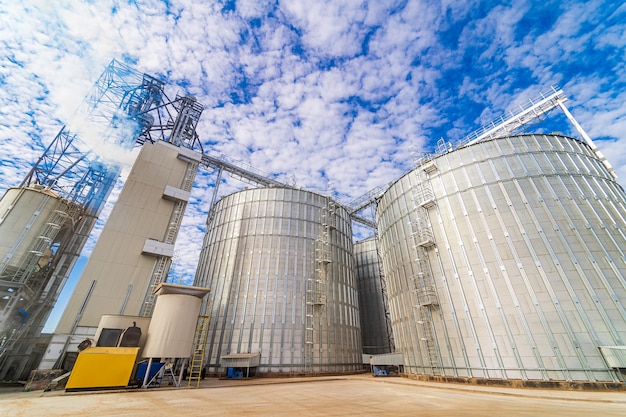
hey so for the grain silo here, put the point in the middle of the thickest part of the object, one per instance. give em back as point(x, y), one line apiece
point(36, 227)
point(372, 309)
point(280, 268)
point(506, 259)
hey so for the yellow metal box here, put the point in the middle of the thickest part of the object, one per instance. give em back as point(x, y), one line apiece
point(102, 367)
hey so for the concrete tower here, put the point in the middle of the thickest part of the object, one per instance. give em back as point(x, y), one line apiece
point(133, 253)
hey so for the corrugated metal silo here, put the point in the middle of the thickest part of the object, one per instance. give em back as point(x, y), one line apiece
point(374, 335)
point(36, 227)
point(27, 227)
point(506, 259)
point(280, 268)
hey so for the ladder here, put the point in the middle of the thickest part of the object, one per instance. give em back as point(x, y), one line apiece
point(162, 263)
point(309, 322)
point(199, 345)
point(428, 339)
point(314, 299)
point(423, 281)
point(315, 291)
point(158, 276)
point(179, 208)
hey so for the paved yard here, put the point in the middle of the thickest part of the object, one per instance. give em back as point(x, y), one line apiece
point(337, 396)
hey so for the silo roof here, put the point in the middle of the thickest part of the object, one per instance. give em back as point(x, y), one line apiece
point(164, 288)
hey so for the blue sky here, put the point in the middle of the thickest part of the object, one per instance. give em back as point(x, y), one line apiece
point(334, 95)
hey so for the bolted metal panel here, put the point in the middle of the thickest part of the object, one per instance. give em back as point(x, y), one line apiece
point(526, 265)
point(280, 268)
point(371, 299)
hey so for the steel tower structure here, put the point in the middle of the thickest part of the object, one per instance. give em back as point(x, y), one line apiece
point(123, 109)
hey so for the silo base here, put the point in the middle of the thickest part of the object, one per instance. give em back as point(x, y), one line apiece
point(222, 374)
point(519, 383)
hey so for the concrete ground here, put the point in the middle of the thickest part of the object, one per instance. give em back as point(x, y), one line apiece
point(353, 395)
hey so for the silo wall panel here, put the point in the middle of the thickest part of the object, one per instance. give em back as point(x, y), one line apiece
point(372, 308)
point(25, 214)
point(528, 261)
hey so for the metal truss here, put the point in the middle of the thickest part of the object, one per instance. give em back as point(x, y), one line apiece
point(115, 112)
point(514, 119)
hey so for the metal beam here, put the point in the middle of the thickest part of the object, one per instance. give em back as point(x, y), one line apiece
point(513, 120)
point(254, 176)
point(588, 140)
point(363, 221)
point(236, 169)
point(366, 200)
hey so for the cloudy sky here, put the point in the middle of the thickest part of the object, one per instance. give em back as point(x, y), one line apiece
point(334, 95)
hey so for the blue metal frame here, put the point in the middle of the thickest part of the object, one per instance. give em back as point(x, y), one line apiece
point(117, 109)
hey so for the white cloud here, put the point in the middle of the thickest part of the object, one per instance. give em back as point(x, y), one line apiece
point(330, 28)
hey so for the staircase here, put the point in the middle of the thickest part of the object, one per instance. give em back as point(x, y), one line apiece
point(424, 284)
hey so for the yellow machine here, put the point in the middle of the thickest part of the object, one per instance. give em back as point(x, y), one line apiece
point(102, 367)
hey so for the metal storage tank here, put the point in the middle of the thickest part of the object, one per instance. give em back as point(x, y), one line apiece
point(36, 228)
point(173, 325)
point(27, 227)
point(372, 309)
point(280, 267)
point(506, 259)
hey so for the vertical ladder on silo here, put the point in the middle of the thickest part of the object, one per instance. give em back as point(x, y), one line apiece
point(162, 263)
point(323, 251)
point(316, 285)
point(179, 208)
point(199, 345)
point(423, 239)
point(309, 323)
point(428, 339)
